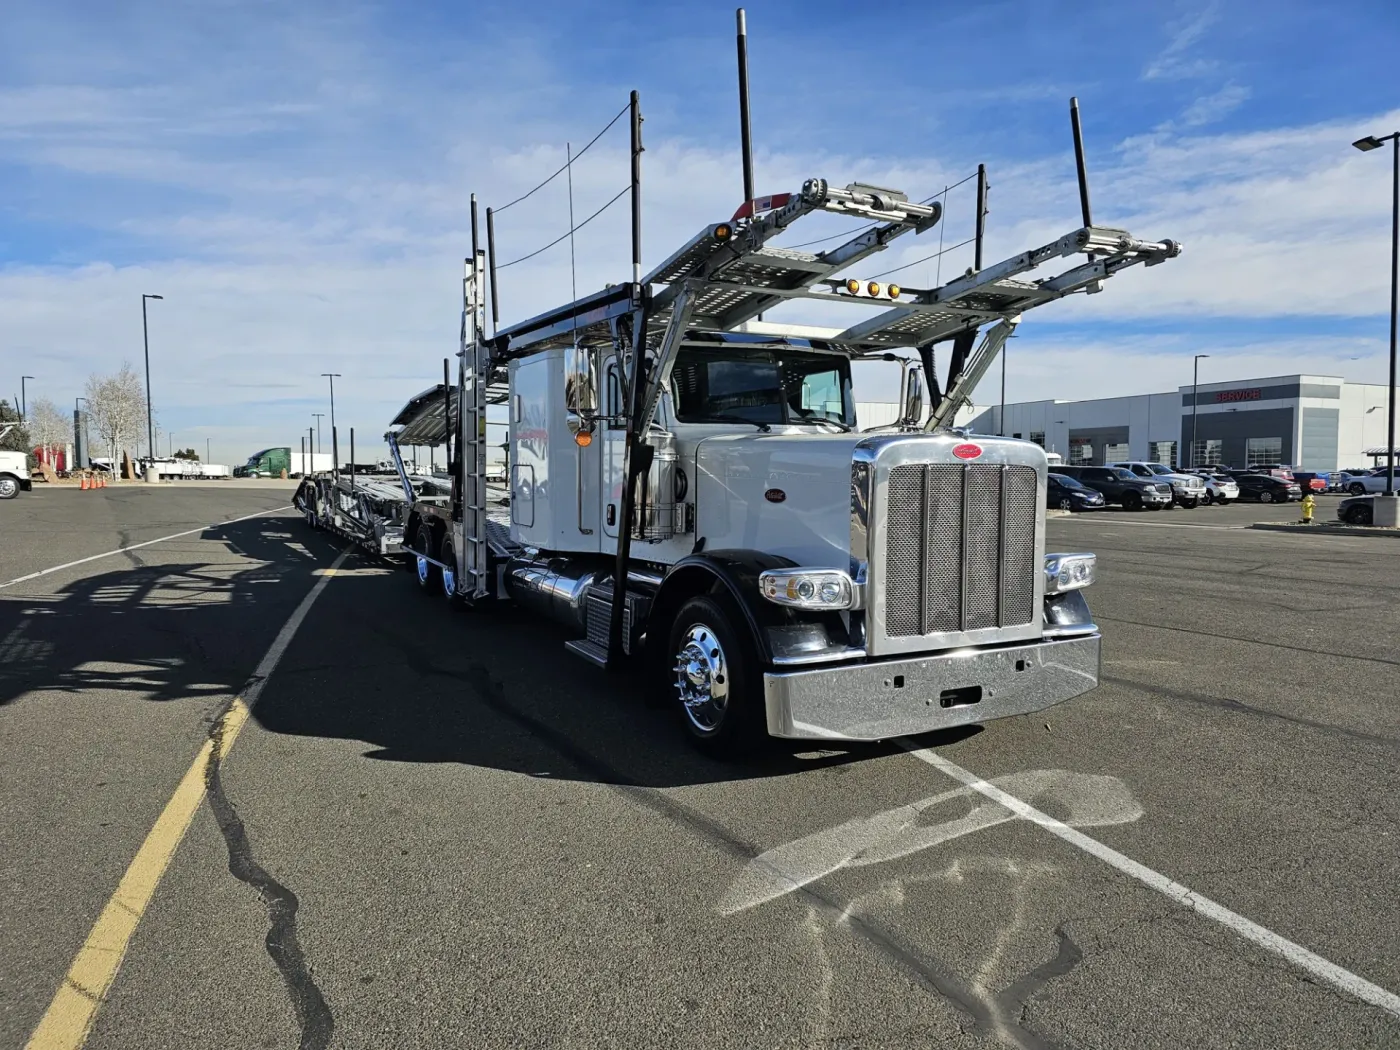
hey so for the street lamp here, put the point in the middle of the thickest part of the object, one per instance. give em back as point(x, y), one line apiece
point(23, 397)
point(335, 444)
point(80, 450)
point(1195, 406)
point(146, 342)
point(318, 416)
point(1365, 145)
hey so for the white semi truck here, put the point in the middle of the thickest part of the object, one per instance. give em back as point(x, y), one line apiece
point(686, 487)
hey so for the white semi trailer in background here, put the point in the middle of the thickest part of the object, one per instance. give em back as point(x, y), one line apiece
point(686, 486)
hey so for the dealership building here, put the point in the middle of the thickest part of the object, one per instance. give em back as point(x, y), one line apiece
point(1310, 422)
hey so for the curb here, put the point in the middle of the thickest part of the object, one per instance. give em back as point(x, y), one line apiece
point(1329, 529)
point(1057, 513)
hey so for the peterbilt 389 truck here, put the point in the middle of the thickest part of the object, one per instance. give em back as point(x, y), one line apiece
point(687, 486)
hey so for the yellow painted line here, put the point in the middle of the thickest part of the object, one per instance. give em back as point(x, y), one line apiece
point(68, 1020)
point(69, 1017)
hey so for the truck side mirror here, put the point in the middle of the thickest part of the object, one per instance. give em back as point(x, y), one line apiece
point(580, 382)
point(911, 397)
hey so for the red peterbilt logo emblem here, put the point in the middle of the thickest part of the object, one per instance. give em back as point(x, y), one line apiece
point(967, 451)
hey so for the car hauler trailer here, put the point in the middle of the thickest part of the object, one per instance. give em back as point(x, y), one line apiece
point(686, 487)
point(371, 510)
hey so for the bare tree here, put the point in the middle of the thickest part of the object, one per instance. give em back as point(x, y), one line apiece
point(116, 408)
point(49, 428)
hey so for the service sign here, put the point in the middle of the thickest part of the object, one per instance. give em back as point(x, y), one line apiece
point(1227, 396)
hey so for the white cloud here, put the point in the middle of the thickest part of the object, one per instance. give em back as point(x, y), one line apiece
point(1177, 61)
point(1209, 108)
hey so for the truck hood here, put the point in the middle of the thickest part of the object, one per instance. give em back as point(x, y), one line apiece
point(790, 493)
point(786, 493)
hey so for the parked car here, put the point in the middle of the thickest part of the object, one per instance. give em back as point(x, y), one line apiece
point(1187, 489)
point(1356, 510)
point(1312, 481)
point(1122, 487)
point(1221, 488)
point(1372, 482)
point(1266, 488)
point(1063, 492)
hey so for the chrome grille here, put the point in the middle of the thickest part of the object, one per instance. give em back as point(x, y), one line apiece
point(960, 547)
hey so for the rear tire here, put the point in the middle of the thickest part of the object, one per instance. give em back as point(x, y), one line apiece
point(448, 577)
point(1132, 501)
point(429, 576)
point(709, 674)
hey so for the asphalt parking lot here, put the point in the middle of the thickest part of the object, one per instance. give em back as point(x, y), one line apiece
point(436, 828)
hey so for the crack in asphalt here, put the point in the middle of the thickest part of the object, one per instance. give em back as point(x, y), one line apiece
point(1218, 636)
point(312, 1013)
point(926, 971)
point(1227, 704)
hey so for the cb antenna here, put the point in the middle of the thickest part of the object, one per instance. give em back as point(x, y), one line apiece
point(745, 131)
point(1079, 160)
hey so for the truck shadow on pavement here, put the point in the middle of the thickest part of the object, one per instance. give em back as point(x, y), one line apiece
point(379, 662)
point(173, 630)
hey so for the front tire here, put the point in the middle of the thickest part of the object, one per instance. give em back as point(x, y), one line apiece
point(9, 487)
point(1190, 504)
point(1266, 497)
point(1357, 489)
point(1358, 515)
point(1066, 504)
point(709, 675)
point(429, 576)
point(1132, 501)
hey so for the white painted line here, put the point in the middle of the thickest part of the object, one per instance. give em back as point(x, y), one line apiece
point(1330, 972)
point(138, 546)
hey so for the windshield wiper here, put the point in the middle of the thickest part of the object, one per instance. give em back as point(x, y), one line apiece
point(842, 427)
point(721, 418)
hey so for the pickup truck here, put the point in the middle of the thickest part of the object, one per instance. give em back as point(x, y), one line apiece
point(1187, 489)
point(1122, 486)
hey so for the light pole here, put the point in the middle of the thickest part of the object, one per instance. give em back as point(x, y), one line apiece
point(1195, 406)
point(318, 416)
point(335, 443)
point(1367, 144)
point(146, 342)
point(207, 456)
point(23, 397)
point(80, 449)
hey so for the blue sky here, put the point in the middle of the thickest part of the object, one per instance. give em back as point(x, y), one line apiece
point(294, 178)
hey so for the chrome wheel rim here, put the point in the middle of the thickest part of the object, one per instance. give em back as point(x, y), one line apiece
point(449, 581)
point(702, 678)
point(422, 569)
point(8, 487)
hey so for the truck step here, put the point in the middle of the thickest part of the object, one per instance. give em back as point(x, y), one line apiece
point(590, 651)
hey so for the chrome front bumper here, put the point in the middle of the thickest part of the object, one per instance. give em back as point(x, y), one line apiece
point(890, 698)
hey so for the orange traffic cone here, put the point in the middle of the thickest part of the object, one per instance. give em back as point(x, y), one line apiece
point(102, 483)
point(83, 484)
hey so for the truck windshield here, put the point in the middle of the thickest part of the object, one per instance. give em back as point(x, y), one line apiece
point(760, 386)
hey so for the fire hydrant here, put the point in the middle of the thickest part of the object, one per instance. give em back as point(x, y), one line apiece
point(1308, 504)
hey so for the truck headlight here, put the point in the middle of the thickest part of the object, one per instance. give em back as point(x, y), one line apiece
point(809, 588)
point(1068, 572)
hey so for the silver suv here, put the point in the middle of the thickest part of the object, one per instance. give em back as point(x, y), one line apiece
point(1188, 490)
